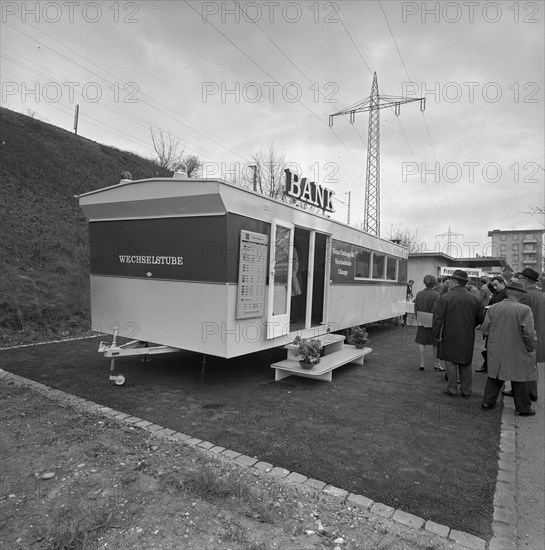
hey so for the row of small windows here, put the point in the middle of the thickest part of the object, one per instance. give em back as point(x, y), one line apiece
point(515, 236)
point(374, 265)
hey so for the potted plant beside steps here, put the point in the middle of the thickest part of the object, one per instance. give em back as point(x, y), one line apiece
point(309, 349)
point(358, 337)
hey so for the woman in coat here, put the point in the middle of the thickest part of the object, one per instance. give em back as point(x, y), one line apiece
point(425, 302)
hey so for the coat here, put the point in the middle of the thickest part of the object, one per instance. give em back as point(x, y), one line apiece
point(536, 300)
point(456, 315)
point(511, 341)
point(425, 301)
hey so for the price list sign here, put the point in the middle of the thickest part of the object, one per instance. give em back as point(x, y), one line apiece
point(252, 275)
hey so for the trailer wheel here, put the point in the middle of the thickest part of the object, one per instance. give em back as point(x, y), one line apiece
point(119, 380)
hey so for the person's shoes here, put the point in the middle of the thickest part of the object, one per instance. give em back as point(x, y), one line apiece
point(531, 412)
point(439, 368)
point(465, 395)
point(421, 367)
point(533, 398)
point(482, 369)
point(487, 406)
point(450, 394)
point(507, 393)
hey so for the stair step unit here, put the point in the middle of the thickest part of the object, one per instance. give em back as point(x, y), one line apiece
point(336, 354)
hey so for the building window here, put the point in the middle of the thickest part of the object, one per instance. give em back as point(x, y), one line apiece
point(529, 236)
point(363, 264)
point(515, 257)
point(503, 247)
point(503, 237)
point(515, 237)
point(515, 247)
point(379, 263)
point(391, 269)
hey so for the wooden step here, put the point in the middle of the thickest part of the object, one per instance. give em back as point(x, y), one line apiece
point(326, 366)
point(330, 343)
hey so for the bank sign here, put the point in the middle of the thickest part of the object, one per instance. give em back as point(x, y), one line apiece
point(308, 191)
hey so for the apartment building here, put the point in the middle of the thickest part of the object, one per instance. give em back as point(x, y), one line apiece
point(521, 248)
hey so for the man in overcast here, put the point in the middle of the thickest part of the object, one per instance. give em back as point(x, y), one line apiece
point(456, 315)
point(512, 339)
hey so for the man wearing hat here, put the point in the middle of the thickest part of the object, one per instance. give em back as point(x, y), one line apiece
point(457, 314)
point(536, 300)
point(512, 339)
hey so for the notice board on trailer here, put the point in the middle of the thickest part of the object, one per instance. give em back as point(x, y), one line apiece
point(252, 275)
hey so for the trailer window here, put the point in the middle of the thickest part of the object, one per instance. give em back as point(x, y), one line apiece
point(379, 263)
point(391, 268)
point(363, 264)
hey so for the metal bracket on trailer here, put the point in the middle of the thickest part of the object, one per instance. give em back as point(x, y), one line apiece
point(134, 347)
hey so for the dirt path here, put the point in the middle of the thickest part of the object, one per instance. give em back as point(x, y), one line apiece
point(76, 479)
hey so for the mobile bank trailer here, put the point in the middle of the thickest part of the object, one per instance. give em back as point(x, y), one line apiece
point(210, 267)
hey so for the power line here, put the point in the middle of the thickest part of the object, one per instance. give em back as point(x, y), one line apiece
point(179, 121)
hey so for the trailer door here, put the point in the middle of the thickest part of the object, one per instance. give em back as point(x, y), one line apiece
point(280, 279)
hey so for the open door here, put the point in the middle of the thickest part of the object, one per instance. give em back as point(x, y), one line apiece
point(280, 279)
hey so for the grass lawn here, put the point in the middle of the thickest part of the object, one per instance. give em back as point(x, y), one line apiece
point(384, 430)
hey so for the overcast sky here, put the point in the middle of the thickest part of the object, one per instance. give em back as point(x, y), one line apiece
point(230, 81)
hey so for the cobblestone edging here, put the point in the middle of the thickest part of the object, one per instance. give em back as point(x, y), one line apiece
point(504, 522)
point(502, 530)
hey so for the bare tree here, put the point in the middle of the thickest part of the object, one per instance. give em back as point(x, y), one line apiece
point(168, 149)
point(405, 237)
point(538, 211)
point(192, 165)
point(170, 153)
point(269, 173)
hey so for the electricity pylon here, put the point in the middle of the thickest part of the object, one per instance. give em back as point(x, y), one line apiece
point(373, 104)
point(449, 234)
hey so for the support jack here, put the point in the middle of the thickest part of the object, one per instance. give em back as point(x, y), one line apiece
point(134, 347)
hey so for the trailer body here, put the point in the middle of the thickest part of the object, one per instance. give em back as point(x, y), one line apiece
point(207, 266)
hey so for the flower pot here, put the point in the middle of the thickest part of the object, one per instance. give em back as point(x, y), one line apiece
point(359, 346)
point(306, 365)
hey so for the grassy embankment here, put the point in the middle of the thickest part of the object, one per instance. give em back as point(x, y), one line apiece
point(44, 245)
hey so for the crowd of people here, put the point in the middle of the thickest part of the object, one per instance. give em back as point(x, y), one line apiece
point(511, 315)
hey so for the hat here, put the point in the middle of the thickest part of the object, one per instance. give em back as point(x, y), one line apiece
point(459, 275)
point(530, 273)
point(515, 285)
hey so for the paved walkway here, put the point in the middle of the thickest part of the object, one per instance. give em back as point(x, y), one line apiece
point(519, 499)
point(530, 474)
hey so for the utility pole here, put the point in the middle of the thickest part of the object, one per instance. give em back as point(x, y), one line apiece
point(349, 193)
point(373, 104)
point(449, 234)
point(254, 168)
point(76, 117)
